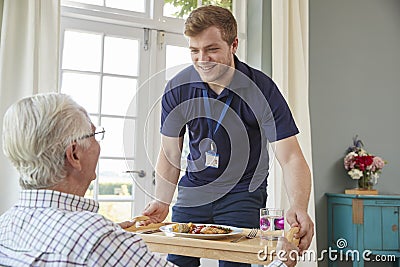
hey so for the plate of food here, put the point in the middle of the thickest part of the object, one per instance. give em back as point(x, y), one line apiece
point(199, 230)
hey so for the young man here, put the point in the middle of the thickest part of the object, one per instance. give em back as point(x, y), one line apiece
point(231, 112)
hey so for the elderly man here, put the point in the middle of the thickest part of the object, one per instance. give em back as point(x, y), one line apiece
point(54, 146)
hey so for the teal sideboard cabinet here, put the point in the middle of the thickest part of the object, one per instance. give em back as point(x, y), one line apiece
point(364, 225)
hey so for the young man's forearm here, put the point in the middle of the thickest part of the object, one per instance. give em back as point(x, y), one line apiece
point(167, 177)
point(168, 168)
point(297, 178)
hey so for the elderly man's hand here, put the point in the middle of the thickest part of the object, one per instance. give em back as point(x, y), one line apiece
point(138, 219)
point(287, 252)
point(126, 224)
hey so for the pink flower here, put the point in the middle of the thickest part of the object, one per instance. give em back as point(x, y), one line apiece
point(349, 161)
point(378, 163)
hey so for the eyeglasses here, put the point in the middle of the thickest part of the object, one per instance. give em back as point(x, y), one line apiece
point(98, 134)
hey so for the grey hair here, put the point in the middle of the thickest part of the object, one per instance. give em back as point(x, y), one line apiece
point(36, 132)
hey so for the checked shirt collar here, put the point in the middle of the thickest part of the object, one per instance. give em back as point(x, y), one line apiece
point(57, 200)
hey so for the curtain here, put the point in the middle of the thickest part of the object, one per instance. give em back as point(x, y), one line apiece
point(290, 36)
point(29, 58)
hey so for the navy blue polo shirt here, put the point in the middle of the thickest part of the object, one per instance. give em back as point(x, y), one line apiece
point(258, 114)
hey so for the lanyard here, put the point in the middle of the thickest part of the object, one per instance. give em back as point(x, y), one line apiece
point(208, 112)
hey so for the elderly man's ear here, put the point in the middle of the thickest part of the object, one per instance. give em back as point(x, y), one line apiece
point(73, 155)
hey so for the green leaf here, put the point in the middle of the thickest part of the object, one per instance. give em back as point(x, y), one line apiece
point(187, 6)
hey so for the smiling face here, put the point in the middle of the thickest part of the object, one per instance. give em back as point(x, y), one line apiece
point(213, 57)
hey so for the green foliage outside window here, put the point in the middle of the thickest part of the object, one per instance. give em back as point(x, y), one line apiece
point(186, 6)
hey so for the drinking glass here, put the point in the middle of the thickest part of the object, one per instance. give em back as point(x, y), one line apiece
point(272, 223)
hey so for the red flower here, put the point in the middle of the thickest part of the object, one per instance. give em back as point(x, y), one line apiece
point(364, 161)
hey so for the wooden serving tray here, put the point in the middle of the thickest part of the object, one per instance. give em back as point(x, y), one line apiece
point(246, 251)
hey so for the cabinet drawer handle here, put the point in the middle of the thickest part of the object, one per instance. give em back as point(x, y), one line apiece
point(394, 227)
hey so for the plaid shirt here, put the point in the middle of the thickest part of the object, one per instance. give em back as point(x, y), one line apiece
point(50, 228)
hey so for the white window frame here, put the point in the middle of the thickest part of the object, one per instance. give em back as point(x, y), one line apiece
point(152, 18)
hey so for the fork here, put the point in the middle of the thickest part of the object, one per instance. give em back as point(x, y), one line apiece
point(250, 235)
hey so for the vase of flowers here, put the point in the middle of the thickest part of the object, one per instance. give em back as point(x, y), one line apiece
point(363, 166)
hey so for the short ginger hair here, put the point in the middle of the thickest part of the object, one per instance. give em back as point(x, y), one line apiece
point(206, 16)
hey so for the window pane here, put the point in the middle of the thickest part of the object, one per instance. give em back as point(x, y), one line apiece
point(132, 5)
point(121, 56)
point(93, 2)
point(83, 88)
point(116, 211)
point(118, 93)
point(82, 51)
point(113, 182)
point(113, 144)
point(178, 9)
point(176, 56)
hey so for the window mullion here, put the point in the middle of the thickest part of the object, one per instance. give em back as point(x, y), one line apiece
point(156, 11)
point(97, 186)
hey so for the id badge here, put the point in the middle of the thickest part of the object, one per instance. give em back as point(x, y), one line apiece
point(212, 159)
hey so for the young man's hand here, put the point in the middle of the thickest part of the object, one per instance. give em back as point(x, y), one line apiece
point(302, 220)
point(156, 211)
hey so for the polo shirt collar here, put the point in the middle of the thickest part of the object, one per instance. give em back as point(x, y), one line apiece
point(241, 79)
point(196, 81)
